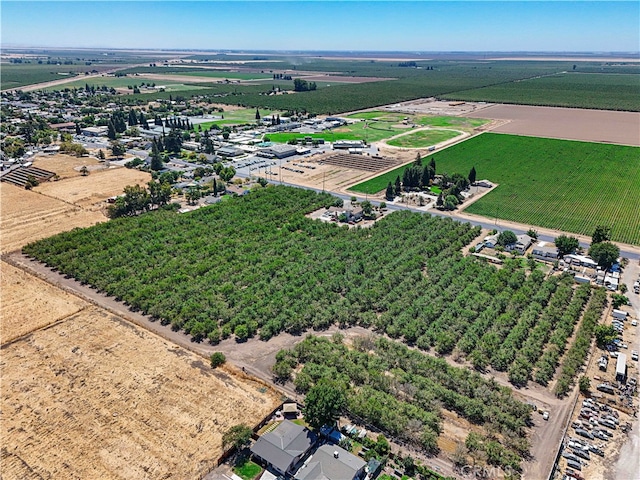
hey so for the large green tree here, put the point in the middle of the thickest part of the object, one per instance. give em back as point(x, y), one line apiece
point(237, 436)
point(324, 403)
point(601, 234)
point(507, 238)
point(605, 253)
point(566, 244)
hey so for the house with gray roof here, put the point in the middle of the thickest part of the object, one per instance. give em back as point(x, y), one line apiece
point(284, 447)
point(331, 462)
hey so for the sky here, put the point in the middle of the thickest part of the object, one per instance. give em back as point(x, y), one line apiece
point(347, 25)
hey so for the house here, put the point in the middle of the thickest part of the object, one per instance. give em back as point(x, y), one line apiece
point(284, 447)
point(491, 241)
point(523, 242)
point(235, 190)
point(355, 215)
point(331, 462)
point(545, 251)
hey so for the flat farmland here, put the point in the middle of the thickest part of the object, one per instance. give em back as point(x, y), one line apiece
point(28, 303)
point(565, 185)
point(96, 397)
point(565, 89)
point(567, 123)
point(28, 216)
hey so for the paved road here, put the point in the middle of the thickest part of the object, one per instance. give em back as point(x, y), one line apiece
point(632, 253)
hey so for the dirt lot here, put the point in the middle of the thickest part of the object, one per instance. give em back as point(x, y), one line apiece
point(65, 166)
point(27, 303)
point(566, 123)
point(96, 397)
point(29, 215)
point(89, 192)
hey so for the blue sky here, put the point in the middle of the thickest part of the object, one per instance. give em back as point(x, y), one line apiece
point(554, 26)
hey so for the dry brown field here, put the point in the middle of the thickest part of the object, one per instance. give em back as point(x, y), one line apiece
point(566, 123)
point(90, 191)
point(65, 165)
point(28, 303)
point(27, 216)
point(97, 397)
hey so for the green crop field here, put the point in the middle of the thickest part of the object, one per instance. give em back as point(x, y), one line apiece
point(124, 82)
point(423, 138)
point(584, 90)
point(18, 75)
point(566, 185)
point(372, 132)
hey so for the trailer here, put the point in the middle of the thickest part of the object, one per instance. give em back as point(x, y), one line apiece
point(621, 368)
point(619, 314)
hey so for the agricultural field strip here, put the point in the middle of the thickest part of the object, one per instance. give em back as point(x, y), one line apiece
point(537, 190)
point(583, 90)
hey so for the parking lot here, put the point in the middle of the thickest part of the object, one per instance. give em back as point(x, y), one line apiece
point(597, 444)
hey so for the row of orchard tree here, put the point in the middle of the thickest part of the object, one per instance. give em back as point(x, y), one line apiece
point(403, 391)
point(273, 270)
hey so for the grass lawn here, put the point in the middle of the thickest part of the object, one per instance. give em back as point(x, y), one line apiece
point(373, 132)
point(456, 122)
point(247, 470)
point(561, 184)
point(235, 117)
point(423, 138)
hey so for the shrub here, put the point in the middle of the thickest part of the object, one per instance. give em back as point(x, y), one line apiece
point(217, 359)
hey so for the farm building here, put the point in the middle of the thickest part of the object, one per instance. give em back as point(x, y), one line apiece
point(580, 260)
point(284, 446)
point(281, 151)
point(545, 251)
point(331, 462)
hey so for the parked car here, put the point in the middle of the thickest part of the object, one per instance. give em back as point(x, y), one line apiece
point(583, 433)
point(634, 355)
point(545, 416)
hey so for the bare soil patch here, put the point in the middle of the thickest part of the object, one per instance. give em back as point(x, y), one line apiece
point(566, 123)
point(64, 166)
point(28, 303)
point(96, 397)
point(93, 189)
point(28, 216)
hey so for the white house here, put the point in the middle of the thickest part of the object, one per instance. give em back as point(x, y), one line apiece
point(491, 241)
